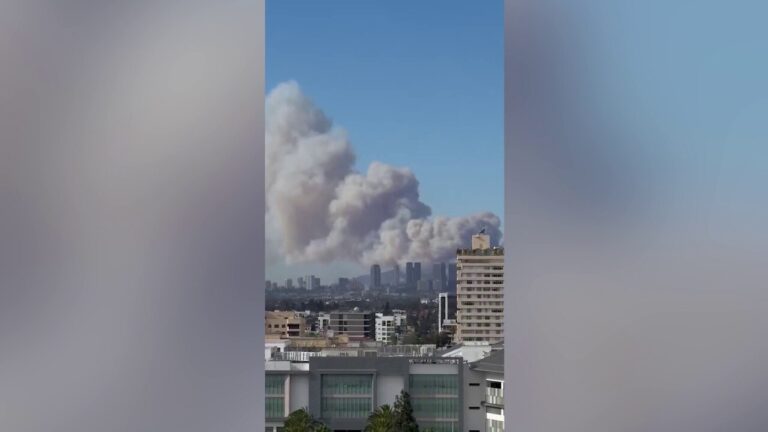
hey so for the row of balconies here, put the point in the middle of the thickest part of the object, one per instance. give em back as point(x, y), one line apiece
point(483, 325)
point(469, 322)
point(474, 281)
point(482, 304)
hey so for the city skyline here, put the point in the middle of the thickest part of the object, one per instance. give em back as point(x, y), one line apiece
point(387, 274)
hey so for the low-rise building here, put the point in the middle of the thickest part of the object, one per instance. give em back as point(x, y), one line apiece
point(323, 321)
point(343, 391)
point(355, 324)
point(284, 324)
point(385, 328)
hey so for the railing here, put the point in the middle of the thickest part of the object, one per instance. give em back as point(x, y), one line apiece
point(381, 351)
point(494, 396)
point(296, 356)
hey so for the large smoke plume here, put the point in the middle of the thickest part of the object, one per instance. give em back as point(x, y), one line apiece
point(319, 209)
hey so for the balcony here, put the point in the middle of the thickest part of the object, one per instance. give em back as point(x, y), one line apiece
point(494, 396)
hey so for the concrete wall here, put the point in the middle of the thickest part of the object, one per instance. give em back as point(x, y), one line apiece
point(299, 392)
point(473, 396)
point(388, 387)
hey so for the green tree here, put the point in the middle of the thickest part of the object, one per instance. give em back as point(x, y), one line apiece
point(443, 339)
point(381, 420)
point(411, 339)
point(302, 421)
point(404, 420)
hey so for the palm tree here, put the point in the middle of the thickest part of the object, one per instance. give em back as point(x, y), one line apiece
point(381, 420)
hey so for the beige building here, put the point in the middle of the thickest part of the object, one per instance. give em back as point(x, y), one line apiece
point(480, 292)
point(284, 324)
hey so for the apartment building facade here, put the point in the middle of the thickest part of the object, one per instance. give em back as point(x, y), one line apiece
point(480, 292)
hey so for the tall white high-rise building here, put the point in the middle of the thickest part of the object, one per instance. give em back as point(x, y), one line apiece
point(480, 291)
point(311, 282)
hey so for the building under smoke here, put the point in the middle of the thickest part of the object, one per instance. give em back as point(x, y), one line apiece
point(375, 277)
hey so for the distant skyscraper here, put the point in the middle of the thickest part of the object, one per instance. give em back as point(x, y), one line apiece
point(375, 282)
point(417, 271)
point(410, 277)
point(396, 275)
point(301, 282)
point(480, 292)
point(451, 278)
point(311, 282)
point(289, 283)
point(444, 273)
point(439, 281)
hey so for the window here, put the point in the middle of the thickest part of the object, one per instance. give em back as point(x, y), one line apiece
point(347, 396)
point(495, 426)
point(439, 426)
point(274, 391)
point(431, 385)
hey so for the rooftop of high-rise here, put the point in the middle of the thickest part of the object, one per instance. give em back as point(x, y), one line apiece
point(494, 251)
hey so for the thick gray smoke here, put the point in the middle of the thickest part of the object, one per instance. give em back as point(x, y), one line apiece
point(320, 210)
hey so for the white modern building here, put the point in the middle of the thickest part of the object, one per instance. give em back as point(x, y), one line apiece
point(323, 321)
point(480, 291)
point(311, 282)
point(446, 309)
point(385, 328)
point(342, 392)
point(448, 393)
point(400, 316)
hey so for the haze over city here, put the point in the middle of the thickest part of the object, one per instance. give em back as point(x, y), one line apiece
point(321, 210)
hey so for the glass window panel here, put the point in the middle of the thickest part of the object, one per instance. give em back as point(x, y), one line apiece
point(435, 408)
point(347, 385)
point(434, 385)
point(274, 384)
point(274, 407)
point(440, 426)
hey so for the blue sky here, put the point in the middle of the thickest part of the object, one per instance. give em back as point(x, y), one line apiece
point(686, 84)
point(415, 83)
